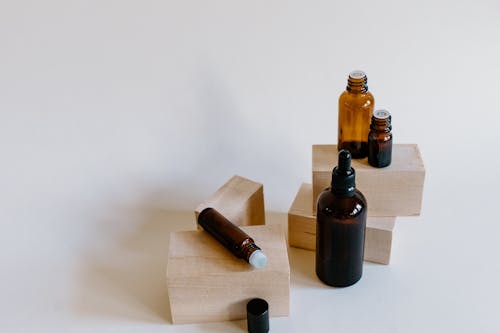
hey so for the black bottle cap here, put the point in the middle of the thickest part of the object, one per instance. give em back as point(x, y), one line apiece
point(258, 316)
point(343, 176)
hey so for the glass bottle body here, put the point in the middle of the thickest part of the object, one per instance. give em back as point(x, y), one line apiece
point(379, 148)
point(380, 139)
point(355, 112)
point(340, 238)
point(229, 235)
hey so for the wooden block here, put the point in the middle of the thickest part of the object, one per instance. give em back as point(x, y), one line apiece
point(392, 191)
point(240, 200)
point(207, 283)
point(302, 229)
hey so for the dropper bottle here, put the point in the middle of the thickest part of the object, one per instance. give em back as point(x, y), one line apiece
point(340, 227)
point(233, 238)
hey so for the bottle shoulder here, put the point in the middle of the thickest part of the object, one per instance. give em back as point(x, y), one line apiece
point(381, 136)
point(341, 206)
point(365, 99)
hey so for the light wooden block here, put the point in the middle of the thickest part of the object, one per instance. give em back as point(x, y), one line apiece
point(302, 229)
point(395, 190)
point(240, 200)
point(207, 283)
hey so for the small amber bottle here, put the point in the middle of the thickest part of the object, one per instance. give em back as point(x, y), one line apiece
point(231, 237)
point(340, 228)
point(380, 139)
point(355, 110)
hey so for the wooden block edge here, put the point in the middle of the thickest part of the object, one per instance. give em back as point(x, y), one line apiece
point(254, 197)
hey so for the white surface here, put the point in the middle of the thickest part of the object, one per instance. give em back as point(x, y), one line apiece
point(116, 114)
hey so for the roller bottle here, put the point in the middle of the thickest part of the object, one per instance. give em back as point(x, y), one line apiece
point(231, 237)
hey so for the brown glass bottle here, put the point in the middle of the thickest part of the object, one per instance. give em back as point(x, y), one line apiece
point(340, 228)
point(233, 238)
point(380, 139)
point(355, 110)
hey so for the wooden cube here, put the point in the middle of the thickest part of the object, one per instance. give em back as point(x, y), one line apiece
point(240, 200)
point(206, 282)
point(395, 190)
point(302, 229)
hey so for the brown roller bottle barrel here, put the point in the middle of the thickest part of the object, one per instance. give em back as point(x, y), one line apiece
point(228, 234)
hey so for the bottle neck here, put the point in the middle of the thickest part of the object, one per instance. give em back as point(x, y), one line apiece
point(343, 181)
point(381, 125)
point(247, 248)
point(349, 193)
point(357, 85)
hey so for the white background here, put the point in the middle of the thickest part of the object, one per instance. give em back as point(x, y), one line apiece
point(118, 117)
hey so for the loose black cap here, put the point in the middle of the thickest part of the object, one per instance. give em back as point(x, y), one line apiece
point(258, 316)
point(343, 176)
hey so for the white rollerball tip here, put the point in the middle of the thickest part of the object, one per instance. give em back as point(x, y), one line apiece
point(258, 259)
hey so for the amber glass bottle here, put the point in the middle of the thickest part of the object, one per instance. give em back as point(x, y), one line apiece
point(340, 228)
point(233, 238)
point(380, 139)
point(355, 110)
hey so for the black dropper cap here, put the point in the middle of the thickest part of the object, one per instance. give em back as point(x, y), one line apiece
point(258, 316)
point(343, 176)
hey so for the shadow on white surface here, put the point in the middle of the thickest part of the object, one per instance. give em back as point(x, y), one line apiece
point(302, 262)
point(302, 269)
point(123, 274)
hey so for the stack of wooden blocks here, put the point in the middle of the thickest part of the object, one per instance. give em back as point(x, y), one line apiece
point(207, 283)
point(392, 191)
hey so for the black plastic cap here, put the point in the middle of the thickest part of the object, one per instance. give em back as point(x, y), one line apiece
point(343, 175)
point(258, 316)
